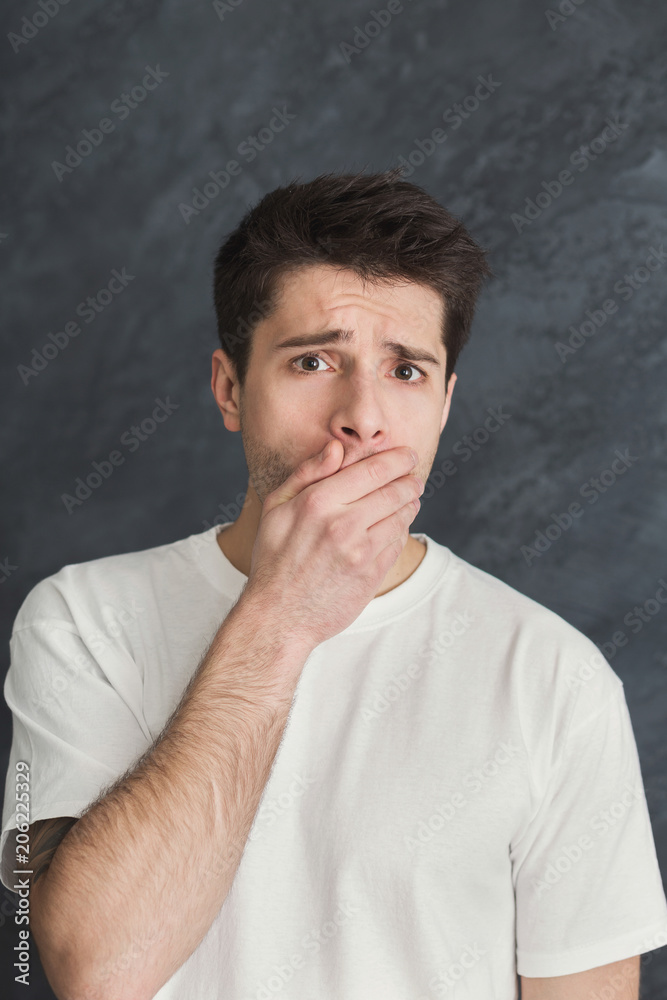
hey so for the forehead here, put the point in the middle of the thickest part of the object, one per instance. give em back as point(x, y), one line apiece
point(312, 294)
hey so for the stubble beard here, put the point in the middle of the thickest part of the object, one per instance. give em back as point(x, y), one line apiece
point(267, 468)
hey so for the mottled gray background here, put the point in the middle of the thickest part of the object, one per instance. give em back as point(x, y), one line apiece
point(558, 83)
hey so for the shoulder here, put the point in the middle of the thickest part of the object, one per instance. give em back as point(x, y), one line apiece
point(545, 658)
point(86, 588)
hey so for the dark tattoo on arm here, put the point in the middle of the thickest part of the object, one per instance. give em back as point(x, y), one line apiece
point(46, 835)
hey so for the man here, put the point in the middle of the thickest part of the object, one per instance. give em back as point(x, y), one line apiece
point(311, 754)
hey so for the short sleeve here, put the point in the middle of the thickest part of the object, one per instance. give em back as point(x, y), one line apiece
point(76, 723)
point(587, 883)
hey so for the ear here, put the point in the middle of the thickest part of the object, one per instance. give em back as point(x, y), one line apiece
point(448, 400)
point(225, 389)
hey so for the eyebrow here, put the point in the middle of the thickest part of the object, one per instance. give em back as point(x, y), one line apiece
point(345, 336)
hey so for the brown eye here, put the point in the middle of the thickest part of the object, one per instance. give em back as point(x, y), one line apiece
point(406, 366)
point(310, 358)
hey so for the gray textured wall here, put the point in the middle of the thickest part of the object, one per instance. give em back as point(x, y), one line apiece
point(556, 83)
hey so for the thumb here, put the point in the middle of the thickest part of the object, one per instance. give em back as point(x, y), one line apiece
point(310, 471)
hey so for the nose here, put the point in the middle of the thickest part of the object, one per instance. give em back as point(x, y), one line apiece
point(359, 419)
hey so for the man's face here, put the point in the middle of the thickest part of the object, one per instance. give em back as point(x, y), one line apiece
point(369, 396)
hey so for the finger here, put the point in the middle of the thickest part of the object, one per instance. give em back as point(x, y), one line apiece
point(310, 471)
point(386, 500)
point(370, 474)
point(392, 531)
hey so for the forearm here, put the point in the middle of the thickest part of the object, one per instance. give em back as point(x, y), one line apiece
point(139, 879)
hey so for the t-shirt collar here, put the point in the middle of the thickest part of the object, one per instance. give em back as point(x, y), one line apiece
point(228, 580)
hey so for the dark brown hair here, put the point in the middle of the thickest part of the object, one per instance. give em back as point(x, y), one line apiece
point(377, 225)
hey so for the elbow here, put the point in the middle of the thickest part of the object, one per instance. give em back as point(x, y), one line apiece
point(69, 981)
point(74, 974)
point(63, 969)
point(75, 960)
point(56, 946)
point(57, 964)
point(62, 972)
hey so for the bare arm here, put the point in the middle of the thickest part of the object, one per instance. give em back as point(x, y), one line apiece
point(113, 918)
point(619, 980)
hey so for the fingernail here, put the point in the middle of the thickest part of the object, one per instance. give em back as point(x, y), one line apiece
point(326, 452)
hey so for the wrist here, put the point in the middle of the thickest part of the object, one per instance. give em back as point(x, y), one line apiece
point(262, 615)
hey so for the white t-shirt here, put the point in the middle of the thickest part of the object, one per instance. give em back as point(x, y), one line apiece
point(457, 796)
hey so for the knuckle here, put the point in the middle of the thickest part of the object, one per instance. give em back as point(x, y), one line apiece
point(377, 468)
point(312, 501)
point(269, 500)
point(337, 530)
point(390, 495)
point(357, 556)
point(405, 515)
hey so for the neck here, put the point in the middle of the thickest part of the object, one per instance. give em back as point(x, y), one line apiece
point(237, 540)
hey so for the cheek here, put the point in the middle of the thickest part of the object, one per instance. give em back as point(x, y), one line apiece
point(425, 440)
point(285, 422)
point(270, 412)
